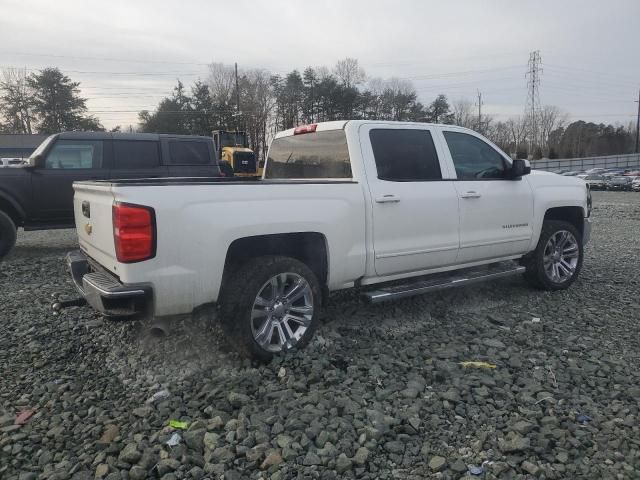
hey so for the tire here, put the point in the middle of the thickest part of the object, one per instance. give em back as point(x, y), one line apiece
point(7, 234)
point(540, 270)
point(264, 288)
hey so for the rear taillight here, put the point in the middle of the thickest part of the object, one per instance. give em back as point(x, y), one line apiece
point(134, 232)
point(305, 129)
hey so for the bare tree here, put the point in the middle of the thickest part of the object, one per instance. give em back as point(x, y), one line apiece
point(349, 73)
point(550, 118)
point(16, 101)
point(463, 113)
point(517, 127)
point(221, 82)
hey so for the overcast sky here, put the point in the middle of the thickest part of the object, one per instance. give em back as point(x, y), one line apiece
point(128, 54)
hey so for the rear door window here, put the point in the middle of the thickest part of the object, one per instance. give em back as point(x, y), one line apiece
point(189, 152)
point(405, 155)
point(309, 155)
point(136, 154)
point(75, 154)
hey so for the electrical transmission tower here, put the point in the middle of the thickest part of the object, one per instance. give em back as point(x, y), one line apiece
point(533, 98)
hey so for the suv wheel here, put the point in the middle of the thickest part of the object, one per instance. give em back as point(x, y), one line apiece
point(270, 306)
point(7, 234)
point(557, 260)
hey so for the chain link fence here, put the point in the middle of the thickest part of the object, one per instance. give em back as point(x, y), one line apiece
point(610, 161)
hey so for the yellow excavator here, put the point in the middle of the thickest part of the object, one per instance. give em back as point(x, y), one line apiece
point(233, 147)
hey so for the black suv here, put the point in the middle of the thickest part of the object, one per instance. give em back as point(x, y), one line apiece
point(40, 195)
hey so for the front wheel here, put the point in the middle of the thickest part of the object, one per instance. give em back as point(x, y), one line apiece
point(271, 305)
point(557, 260)
point(7, 234)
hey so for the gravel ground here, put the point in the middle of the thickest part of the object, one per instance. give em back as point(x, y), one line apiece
point(379, 393)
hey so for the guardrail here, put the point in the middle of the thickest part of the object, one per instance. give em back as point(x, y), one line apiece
point(610, 161)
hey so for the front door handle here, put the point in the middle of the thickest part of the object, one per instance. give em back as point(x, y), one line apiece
point(387, 199)
point(471, 194)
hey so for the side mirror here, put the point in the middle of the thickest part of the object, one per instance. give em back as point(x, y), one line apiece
point(36, 161)
point(519, 168)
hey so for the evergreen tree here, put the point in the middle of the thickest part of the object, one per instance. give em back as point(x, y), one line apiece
point(57, 103)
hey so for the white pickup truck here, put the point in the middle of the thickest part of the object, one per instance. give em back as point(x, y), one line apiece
point(393, 209)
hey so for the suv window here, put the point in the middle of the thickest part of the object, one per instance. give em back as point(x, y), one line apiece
point(473, 158)
point(309, 155)
point(405, 155)
point(70, 154)
point(189, 152)
point(129, 154)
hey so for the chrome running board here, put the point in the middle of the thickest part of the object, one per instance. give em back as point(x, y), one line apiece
point(440, 281)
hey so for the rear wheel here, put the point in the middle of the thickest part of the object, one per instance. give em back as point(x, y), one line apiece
point(557, 260)
point(7, 234)
point(270, 306)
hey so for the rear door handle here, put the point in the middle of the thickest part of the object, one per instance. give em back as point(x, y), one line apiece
point(471, 194)
point(387, 199)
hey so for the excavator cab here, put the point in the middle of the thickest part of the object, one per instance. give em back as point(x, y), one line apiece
point(233, 147)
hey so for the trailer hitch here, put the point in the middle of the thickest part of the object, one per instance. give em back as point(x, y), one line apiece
point(59, 304)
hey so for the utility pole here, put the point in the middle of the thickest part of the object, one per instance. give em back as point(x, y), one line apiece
point(480, 112)
point(533, 97)
point(638, 123)
point(237, 99)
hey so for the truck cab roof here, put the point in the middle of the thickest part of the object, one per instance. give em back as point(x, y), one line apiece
point(124, 136)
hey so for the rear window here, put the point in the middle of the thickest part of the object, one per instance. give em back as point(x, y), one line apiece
point(310, 155)
point(130, 154)
point(189, 153)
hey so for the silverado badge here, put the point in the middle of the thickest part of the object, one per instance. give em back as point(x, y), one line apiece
point(88, 228)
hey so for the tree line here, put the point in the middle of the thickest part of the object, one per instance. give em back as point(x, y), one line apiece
point(263, 103)
point(43, 102)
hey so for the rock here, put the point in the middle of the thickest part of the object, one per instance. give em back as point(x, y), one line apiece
point(102, 470)
point(283, 441)
point(238, 400)
point(167, 465)
point(142, 412)
point(195, 440)
point(196, 472)
point(343, 464)
point(361, 456)
point(394, 447)
point(562, 457)
point(451, 395)
point(274, 458)
point(311, 459)
point(130, 453)
point(109, 434)
point(437, 463)
point(514, 443)
point(523, 427)
point(494, 343)
point(459, 466)
point(27, 475)
point(530, 468)
point(211, 440)
point(137, 473)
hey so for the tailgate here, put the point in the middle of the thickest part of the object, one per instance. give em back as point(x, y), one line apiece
point(92, 204)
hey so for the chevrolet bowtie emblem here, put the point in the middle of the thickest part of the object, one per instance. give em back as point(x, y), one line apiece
point(88, 228)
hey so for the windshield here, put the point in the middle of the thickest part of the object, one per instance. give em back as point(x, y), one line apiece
point(620, 179)
point(233, 139)
point(594, 177)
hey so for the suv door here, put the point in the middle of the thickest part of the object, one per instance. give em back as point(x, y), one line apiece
point(495, 210)
point(137, 159)
point(66, 161)
point(190, 157)
point(413, 200)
